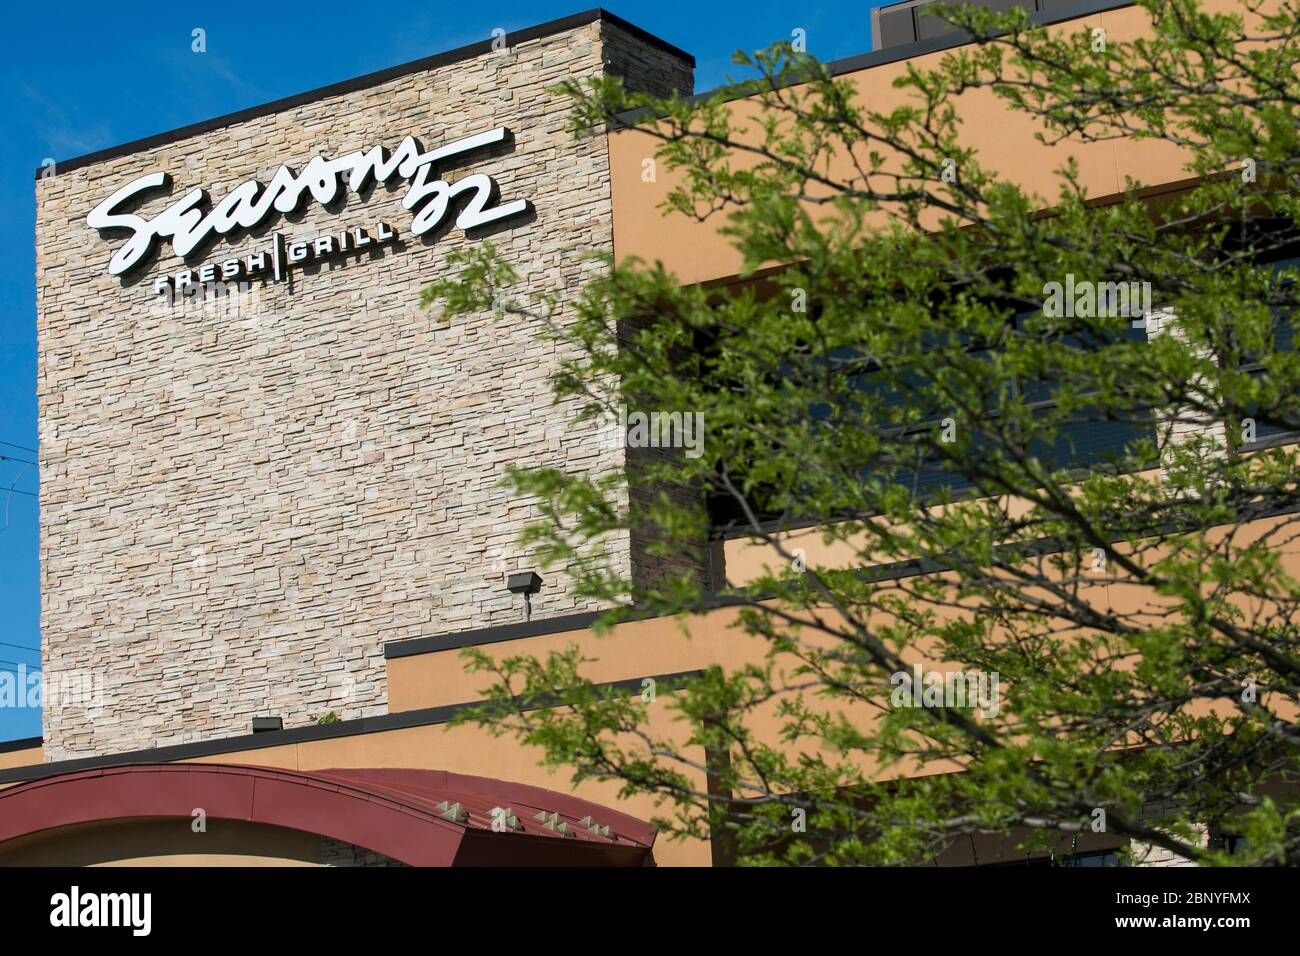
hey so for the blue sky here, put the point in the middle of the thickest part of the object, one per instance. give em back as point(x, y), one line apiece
point(84, 76)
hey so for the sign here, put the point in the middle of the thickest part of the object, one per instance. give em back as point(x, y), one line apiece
point(284, 253)
point(250, 203)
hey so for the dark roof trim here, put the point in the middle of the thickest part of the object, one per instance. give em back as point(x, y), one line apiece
point(477, 636)
point(491, 635)
point(23, 743)
point(905, 51)
point(469, 52)
point(296, 735)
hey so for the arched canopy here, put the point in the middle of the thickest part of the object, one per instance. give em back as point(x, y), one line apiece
point(418, 817)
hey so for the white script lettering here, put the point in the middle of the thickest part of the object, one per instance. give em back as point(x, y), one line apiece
point(249, 204)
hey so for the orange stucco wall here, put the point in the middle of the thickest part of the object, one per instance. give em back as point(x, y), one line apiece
point(21, 758)
point(1004, 141)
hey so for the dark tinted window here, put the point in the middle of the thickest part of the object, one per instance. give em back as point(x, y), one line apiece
point(1283, 341)
point(930, 25)
point(905, 23)
point(896, 27)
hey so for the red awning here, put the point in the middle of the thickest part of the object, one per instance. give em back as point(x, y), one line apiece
point(418, 817)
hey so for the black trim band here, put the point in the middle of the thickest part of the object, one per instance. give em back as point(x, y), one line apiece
point(403, 720)
point(490, 635)
point(457, 55)
point(513, 632)
point(478, 636)
point(23, 743)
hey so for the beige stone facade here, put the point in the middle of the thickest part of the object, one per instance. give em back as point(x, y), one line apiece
point(266, 490)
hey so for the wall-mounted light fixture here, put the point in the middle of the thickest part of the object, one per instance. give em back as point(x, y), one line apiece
point(526, 583)
point(263, 724)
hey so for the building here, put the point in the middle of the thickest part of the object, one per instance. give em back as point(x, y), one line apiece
point(270, 506)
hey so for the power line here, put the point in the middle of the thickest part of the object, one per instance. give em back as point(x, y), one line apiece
point(16, 491)
point(24, 647)
point(14, 665)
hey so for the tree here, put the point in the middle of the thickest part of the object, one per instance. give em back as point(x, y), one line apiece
point(945, 378)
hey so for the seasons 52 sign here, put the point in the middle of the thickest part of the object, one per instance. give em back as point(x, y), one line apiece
point(250, 203)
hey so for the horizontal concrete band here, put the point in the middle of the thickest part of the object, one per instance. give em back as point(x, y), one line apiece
point(468, 52)
point(297, 735)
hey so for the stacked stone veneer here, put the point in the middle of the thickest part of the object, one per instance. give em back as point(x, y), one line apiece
point(1149, 854)
point(242, 503)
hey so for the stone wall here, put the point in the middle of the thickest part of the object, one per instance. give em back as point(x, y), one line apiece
point(1149, 854)
point(242, 502)
point(644, 67)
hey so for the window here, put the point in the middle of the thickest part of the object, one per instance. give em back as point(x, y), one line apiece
point(1270, 432)
point(908, 21)
point(1089, 438)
